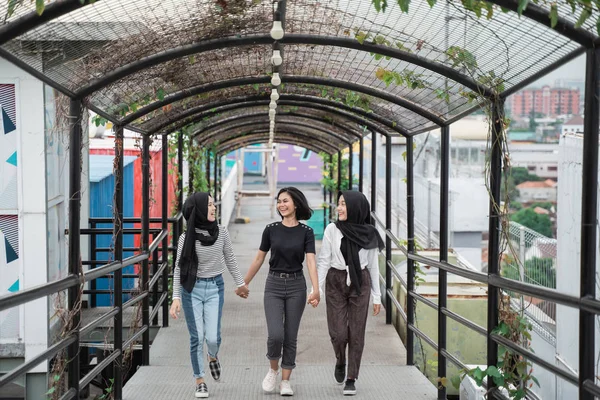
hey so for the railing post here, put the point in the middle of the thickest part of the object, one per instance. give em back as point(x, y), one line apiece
point(388, 227)
point(118, 274)
point(350, 165)
point(155, 287)
point(410, 264)
point(373, 171)
point(589, 199)
point(216, 181)
point(145, 245)
point(443, 275)
point(497, 139)
point(361, 159)
point(93, 255)
point(165, 226)
point(73, 294)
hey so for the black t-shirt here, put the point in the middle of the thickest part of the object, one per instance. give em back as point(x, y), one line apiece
point(287, 245)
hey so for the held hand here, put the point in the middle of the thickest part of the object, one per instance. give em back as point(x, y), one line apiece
point(314, 298)
point(175, 308)
point(242, 291)
point(376, 309)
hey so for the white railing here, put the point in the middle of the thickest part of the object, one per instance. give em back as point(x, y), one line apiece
point(228, 195)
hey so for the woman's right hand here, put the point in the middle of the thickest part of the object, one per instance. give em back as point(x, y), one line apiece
point(175, 308)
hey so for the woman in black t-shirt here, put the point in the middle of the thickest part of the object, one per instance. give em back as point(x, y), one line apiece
point(285, 289)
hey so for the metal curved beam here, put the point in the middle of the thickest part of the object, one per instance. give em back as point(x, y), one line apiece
point(305, 101)
point(252, 40)
point(259, 123)
point(263, 115)
point(32, 20)
point(282, 102)
point(291, 133)
point(287, 138)
point(182, 94)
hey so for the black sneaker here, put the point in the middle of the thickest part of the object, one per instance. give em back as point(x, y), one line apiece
point(201, 390)
point(349, 388)
point(215, 369)
point(340, 373)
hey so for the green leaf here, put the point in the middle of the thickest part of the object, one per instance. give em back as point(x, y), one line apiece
point(39, 6)
point(56, 378)
point(522, 6)
point(431, 2)
point(534, 379)
point(160, 94)
point(478, 373)
point(585, 14)
point(12, 5)
point(499, 381)
point(455, 381)
point(553, 15)
point(404, 5)
point(51, 390)
point(493, 372)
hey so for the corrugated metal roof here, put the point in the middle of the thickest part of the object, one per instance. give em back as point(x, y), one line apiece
point(101, 166)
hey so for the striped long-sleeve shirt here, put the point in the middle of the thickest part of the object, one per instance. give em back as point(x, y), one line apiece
point(212, 260)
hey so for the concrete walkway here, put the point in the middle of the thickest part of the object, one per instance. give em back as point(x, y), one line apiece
point(383, 372)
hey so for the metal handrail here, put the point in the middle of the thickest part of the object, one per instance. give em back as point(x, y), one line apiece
point(26, 295)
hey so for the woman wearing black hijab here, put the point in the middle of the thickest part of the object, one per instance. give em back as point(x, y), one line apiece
point(199, 269)
point(348, 265)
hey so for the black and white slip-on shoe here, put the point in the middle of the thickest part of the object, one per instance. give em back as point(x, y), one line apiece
point(201, 391)
point(215, 369)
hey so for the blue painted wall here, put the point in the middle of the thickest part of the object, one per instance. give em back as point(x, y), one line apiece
point(101, 202)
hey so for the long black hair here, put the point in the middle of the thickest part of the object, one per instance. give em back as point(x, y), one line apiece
point(303, 210)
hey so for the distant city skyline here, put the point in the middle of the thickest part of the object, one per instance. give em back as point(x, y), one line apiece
point(572, 70)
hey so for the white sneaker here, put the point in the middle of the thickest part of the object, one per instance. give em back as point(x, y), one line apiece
point(285, 389)
point(270, 380)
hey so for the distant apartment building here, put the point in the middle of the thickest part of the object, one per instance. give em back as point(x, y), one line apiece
point(532, 191)
point(546, 101)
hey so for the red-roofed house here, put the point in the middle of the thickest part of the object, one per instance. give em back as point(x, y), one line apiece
point(537, 191)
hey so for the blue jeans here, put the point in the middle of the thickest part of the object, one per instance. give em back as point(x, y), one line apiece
point(201, 308)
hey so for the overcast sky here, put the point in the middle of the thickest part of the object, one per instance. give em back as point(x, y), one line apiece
point(573, 70)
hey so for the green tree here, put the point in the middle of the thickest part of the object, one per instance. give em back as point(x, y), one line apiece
point(520, 175)
point(538, 271)
point(529, 218)
point(532, 123)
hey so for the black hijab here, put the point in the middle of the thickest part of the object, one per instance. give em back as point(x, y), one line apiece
point(359, 233)
point(195, 211)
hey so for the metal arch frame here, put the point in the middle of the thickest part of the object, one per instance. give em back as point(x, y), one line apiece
point(256, 124)
point(305, 101)
point(378, 93)
point(341, 132)
point(262, 39)
point(302, 139)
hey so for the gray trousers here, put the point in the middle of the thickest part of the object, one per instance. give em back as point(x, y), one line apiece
point(285, 299)
point(347, 318)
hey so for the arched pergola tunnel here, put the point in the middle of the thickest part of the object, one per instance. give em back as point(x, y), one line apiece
point(152, 86)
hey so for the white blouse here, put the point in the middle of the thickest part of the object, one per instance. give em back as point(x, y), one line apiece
point(331, 256)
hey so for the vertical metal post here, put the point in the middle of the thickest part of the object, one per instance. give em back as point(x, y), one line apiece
point(388, 227)
point(216, 180)
point(93, 255)
point(361, 162)
point(521, 263)
point(179, 225)
point(497, 138)
point(589, 204)
point(73, 294)
point(145, 246)
point(325, 206)
point(429, 241)
point(190, 169)
point(155, 287)
point(350, 165)
point(331, 211)
point(339, 172)
point(118, 274)
point(443, 275)
point(208, 170)
point(410, 234)
point(165, 226)
point(373, 171)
